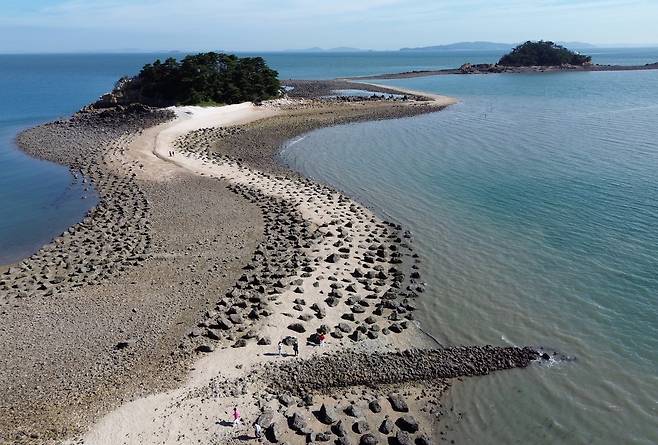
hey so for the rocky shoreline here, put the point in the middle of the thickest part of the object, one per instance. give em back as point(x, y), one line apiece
point(210, 263)
point(489, 68)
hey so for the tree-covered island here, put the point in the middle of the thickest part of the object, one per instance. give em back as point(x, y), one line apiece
point(201, 79)
point(543, 53)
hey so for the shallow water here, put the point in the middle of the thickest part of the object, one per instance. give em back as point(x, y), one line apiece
point(533, 205)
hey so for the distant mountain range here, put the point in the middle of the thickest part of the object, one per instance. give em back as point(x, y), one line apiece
point(488, 46)
point(459, 46)
point(464, 46)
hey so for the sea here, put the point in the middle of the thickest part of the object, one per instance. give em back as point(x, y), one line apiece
point(533, 204)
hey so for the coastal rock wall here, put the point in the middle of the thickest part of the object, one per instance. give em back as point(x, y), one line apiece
point(350, 369)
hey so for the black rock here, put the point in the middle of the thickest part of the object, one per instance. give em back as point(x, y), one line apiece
point(403, 438)
point(125, 344)
point(273, 433)
point(297, 422)
point(353, 411)
point(386, 427)
point(263, 341)
point(265, 419)
point(241, 343)
point(327, 414)
point(360, 427)
point(297, 327)
point(407, 423)
point(339, 429)
point(368, 439)
point(375, 406)
point(286, 400)
point(397, 403)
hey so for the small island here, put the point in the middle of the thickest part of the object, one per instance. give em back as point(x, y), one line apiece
point(529, 57)
point(202, 79)
point(543, 53)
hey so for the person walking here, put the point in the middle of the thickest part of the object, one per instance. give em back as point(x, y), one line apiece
point(258, 430)
point(236, 417)
point(295, 348)
point(280, 347)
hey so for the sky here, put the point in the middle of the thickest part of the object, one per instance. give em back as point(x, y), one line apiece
point(28, 26)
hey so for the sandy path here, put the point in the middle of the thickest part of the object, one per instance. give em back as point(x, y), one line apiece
point(181, 415)
point(152, 147)
point(442, 101)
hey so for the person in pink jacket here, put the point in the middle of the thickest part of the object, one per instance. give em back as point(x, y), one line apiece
point(236, 417)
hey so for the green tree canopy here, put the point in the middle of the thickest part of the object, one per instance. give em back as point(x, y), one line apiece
point(542, 53)
point(204, 78)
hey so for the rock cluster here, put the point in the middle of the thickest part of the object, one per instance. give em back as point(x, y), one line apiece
point(115, 234)
point(374, 297)
point(275, 262)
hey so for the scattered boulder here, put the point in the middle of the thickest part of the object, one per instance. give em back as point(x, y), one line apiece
point(265, 419)
point(297, 327)
point(353, 411)
point(360, 427)
point(407, 423)
point(274, 433)
point(297, 422)
point(397, 403)
point(386, 427)
point(327, 414)
point(343, 440)
point(286, 399)
point(375, 406)
point(126, 343)
point(264, 341)
point(403, 438)
point(339, 429)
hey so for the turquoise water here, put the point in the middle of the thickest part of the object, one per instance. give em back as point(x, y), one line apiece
point(534, 204)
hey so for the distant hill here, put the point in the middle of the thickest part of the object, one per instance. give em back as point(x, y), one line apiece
point(465, 46)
